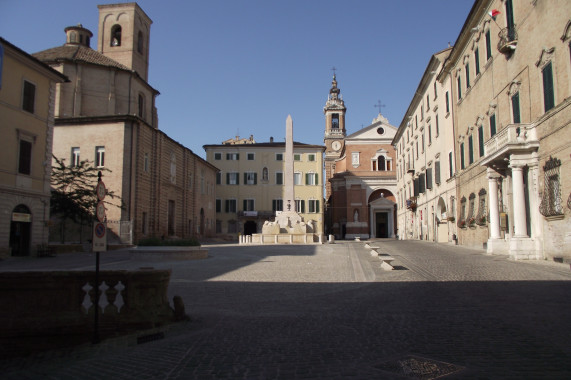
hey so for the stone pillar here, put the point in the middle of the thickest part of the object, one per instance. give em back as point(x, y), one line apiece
point(494, 205)
point(520, 229)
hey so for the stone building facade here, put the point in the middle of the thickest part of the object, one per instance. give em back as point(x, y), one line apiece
point(107, 114)
point(425, 160)
point(250, 184)
point(510, 71)
point(361, 173)
point(27, 96)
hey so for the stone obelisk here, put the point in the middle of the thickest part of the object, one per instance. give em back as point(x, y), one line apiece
point(289, 192)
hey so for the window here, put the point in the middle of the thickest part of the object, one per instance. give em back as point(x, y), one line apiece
point(450, 165)
point(492, 125)
point(249, 205)
point(146, 163)
point(250, 178)
point(481, 140)
point(488, 45)
point(297, 157)
point(437, 126)
point(355, 159)
point(427, 103)
point(140, 42)
point(232, 178)
point(218, 156)
point(447, 103)
point(232, 226)
point(551, 204)
point(510, 20)
point(421, 113)
point(173, 168)
point(435, 91)
point(265, 175)
point(335, 121)
point(467, 68)
point(471, 207)
point(218, 178)
point(470, 149)
point(422, 138)
point(548, 95)
point(311, 157)
point(515, 108)
point(421, 183)
point(429, 178)
point(232, 156)
point(313, 205)
point(29, 97)
point(230, 205)
point(251, 156)
point(477, 60)
point(279, 157)
point(75, 157)
point(462, 221)
point(417, 150)
point(311, 179)
point(462, 166)
point(297, 178)
point(99, 156)
point(141, 106)
point(25, 157)
point(300, 206)
point(459, 88)
point(116, 35)
point(279, 178)
point(218, 205)
point(277, 205)
point(482, 213)
point(381, 163)
point(429, 134)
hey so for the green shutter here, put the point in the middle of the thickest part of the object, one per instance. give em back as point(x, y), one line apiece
point(245, 178)
point(481, 140)
point(307, 178)
point(316, 179)
point(437, 172)
point(317, 206)
point(227, 178)
point(548, 96)
point(245, 204)
point(492, 125)
point(255, 178)
point(302, 206)
point(515, 108)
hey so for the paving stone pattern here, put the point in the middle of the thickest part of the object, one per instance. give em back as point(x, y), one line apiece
point(330, 312)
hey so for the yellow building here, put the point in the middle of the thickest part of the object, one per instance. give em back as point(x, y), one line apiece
point(27, 89)
point(250, 184)
point(510, 73)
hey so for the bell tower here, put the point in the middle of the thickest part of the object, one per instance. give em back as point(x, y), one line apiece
point(124, 35)
point(335, 131)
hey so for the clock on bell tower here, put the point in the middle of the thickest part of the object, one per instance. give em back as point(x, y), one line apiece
point(335, 132)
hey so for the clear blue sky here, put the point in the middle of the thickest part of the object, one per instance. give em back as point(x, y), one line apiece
point(225, 67)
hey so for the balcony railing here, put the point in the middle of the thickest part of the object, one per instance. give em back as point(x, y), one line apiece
point(514, 136)
point(507, 40)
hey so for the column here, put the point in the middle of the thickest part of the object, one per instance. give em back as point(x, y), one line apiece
point(520, 229)
point(494, 205)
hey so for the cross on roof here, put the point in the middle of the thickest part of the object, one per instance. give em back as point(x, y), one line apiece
point(379, 105)
point(334, 69)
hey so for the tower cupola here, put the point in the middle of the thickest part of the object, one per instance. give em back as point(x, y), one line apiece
point(78, 35)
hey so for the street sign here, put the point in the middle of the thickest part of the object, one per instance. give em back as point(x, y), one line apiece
point(100, 190)
point(99, 237)
point(100, 211)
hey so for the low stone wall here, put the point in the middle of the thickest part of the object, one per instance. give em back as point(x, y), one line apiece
point(47, 310)
point(309, 238)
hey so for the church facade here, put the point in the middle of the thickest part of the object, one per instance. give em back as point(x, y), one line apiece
point(106, 114)
point(360, 171)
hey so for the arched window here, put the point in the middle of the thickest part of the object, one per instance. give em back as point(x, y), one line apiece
point(116, 35)
point(140, 42)
point(141, 106)
point(381, 164)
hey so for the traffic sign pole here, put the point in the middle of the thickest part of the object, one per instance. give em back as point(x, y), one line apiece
point(99, 241)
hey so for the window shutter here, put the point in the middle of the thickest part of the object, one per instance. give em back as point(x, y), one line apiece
point(255, 178)
point(307, 178)
point(238, 156)
point(316, 179)
point(515, 108)
point(238, 178)
point(437, 172)
point(416, 187)
point(245, 203)
point(245, 178)
point(548, 97)
point(317, 206)
point(227, 205)
point(227, 178)
point(302, 206)
point(429, 178)
point(422, 183)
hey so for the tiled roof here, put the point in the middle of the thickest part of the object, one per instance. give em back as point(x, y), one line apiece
point(77, 53)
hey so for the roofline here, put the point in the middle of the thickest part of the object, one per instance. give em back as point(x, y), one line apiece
point(62, 78)
point(263, 145)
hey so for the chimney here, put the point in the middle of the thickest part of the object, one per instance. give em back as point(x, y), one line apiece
point(271, 139)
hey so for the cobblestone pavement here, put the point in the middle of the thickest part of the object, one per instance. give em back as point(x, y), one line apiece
point(330, 312)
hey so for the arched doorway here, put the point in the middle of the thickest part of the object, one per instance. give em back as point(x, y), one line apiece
point(382, 219)
point(20, 231)
point(250, 227)
point(441, 221)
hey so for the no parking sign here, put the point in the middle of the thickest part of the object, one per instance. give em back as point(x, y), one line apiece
point(99, 237)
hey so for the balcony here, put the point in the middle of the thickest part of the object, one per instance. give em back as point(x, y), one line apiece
point(410, 169)
point(411, 204)
point(335, 132)
point(507, 40)
point(514, 138)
